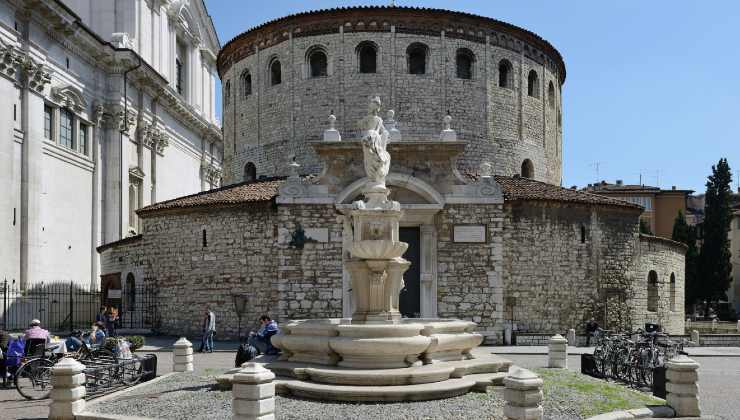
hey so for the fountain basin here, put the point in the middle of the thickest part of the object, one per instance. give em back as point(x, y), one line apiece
point(379, 353)
point(378, 249)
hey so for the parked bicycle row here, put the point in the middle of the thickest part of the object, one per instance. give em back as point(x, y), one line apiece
point(633, 357)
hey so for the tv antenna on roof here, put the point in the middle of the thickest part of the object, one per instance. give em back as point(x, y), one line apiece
point(596, 166)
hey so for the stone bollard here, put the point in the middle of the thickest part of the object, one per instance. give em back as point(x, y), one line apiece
point(572, 337)
point(714, 324)
point(682, 386)
point(254, 393)
point(688, 324)
point(523, 395)
point(68, 393)
point(695, 337)
point(557, 352)
point(738, 326)
point(182, 355)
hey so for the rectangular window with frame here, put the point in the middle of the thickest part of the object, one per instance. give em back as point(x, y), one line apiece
point(84, 138)
point(48, 122)
point(67, 128)
point(178, 76)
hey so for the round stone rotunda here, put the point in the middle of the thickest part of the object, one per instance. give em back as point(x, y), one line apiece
point(494, 250)
point(500, 83)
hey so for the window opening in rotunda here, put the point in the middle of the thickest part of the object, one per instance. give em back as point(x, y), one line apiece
point(533, 84)
point(583, 234)
point(673, 292)
point(652, 291)
point(276, 73)
point(417, 58)
point(551, 95)
point(368, 57)
point(227, 93)
point(246, 83)
point(250, 172)
point(130, 292)
point(317, 63)
point(505, 74)
point(464, 63)
point(527, 169)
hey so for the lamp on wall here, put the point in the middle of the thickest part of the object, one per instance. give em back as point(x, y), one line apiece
point(240, 306)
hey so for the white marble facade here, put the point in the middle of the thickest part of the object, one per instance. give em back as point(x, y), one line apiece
point(106, 106)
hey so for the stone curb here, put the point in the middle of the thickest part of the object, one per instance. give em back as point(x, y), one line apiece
point(89, 415)
point(655, 411)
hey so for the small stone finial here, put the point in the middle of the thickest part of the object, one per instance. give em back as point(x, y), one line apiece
point(331, 133)
point(293, 167)
point(486, 170)
point(448, 134)
point(390, 122)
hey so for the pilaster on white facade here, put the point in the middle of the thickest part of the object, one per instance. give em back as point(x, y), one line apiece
point(88, 141)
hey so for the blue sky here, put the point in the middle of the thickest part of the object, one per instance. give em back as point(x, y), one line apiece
point(652, 87)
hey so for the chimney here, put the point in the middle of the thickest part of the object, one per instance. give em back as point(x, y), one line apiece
point(673, 188)
point(620, 182)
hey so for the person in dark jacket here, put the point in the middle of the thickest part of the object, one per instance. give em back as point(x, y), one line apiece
point(4, 340)
point(261, 339)
point(592, 328)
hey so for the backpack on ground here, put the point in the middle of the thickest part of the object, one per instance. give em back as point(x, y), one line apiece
point(245, 353)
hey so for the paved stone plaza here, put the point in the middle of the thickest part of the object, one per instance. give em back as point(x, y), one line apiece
point(719, 376)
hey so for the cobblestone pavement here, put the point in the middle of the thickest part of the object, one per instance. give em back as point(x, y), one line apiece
point(719, 383)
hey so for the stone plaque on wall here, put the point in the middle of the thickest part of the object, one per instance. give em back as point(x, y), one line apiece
point(317, 234)
point(469, 233)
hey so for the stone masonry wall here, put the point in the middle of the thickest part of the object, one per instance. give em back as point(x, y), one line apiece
point(667, 259)
point(273, 123)
point(552, 280)
point(470, 275)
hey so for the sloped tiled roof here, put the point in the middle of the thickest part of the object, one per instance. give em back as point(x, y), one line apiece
point(519, 188)
point(514, 188)
point(245, 192)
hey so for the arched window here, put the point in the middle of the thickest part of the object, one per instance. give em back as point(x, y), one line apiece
point(276, 73)
point(673, 292)
point(551, 95)
point(652, 291)
point(527, 169)
point(583, 234)
point(464, 63)
point(227, 93)
point(416, 55)
point(317, 63)
point(246, 83)
point(505, 74)
point(130, 292)
point(250, 172)
point(533, 84)
point(367, 57)
point(560, 118)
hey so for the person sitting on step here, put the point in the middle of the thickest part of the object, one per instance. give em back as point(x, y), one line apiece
point(261, 339)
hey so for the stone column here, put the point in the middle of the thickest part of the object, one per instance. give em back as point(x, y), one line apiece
point(254, 393)
point(572, 337)
point(523, 395)
point(738, 326)
point(182, 355)
point(557, 352)
point(682, 386)
point(68, 394)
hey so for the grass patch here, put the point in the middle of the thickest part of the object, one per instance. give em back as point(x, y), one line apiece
point(591, 396)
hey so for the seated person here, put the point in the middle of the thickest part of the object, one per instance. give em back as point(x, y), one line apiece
point(96, 336)
point(74, 341)
point(261, 339)
point(36, 338)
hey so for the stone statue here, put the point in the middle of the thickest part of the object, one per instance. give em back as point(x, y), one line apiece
point(374, 140)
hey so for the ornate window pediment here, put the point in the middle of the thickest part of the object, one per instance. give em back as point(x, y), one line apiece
point(69, 97)
point(136, 173)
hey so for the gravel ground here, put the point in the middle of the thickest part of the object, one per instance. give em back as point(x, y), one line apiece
point(194, 397)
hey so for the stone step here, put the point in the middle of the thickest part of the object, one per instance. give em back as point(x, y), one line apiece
point(484, 380)
point(354, 393)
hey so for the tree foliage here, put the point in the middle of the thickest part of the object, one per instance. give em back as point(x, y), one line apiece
point(645, 227)
point(686, 234)
point(714, 258)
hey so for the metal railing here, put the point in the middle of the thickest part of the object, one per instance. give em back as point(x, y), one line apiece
point(102, 377)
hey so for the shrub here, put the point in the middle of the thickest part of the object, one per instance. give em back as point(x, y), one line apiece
point(136, 342)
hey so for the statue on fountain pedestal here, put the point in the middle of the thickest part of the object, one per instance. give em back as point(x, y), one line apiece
point(377, 160)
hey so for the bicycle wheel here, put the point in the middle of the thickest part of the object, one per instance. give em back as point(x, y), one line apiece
point(132, 371)
point(101, 356)
point(33, 379)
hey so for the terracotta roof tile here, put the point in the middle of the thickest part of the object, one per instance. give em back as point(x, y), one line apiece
point(518, 188)
point(514, 188)
point(245, 192)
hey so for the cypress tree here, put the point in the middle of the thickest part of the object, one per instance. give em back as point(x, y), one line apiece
point(686, 234)
point(715, 266)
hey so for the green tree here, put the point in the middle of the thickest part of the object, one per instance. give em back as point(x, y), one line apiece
point(686, 234)
point(714, 258)
point(645, 227)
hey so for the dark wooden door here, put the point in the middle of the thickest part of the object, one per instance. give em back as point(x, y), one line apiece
point(409, 301)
